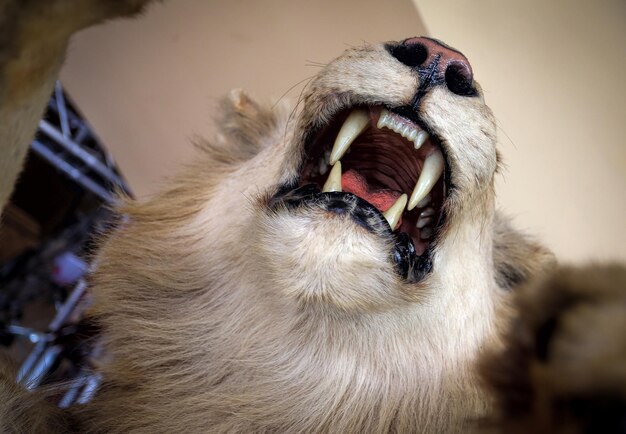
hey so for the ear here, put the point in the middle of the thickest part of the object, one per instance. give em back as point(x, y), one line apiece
point(517, 257)
point(245, 128)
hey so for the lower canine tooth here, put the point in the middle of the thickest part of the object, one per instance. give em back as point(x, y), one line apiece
point(333, 183)
point(394, 213)
point(432, 170)
point(354, 125)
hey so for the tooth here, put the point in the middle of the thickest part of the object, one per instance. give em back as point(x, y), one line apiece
point(432, 170)
point(412, 135)
point(353, 126)
point(422, 136)
point(333, 183)
point(323, 167)
point(383, 119)
point(427, 212)
point(422, 203)
point(394, 213)
point(426, 233)
point(423, 221)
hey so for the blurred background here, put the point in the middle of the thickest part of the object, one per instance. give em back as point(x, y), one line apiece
point(552, 72)
point(133, 94)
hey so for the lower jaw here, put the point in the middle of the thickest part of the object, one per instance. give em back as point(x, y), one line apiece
point(410, 266)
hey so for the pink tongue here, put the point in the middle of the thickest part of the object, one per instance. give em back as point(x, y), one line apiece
point(354, 183)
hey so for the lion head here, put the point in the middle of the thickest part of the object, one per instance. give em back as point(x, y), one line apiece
point(333, 268)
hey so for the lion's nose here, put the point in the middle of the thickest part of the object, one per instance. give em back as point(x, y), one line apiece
point(437, 63)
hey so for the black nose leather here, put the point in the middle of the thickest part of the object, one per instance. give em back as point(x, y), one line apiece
point(437, 63)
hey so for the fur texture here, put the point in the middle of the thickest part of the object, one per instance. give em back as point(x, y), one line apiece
point(562, 369)
point(24, 411)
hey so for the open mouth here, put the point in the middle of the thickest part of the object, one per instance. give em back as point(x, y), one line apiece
point(394, 167)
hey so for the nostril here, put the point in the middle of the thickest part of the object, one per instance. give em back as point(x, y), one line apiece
point(436, 64)
point(459, 79)
point(412, 55)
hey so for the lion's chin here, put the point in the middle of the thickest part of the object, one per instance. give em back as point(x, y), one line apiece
point(317, 256)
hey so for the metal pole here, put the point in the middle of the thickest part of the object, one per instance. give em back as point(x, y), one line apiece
point(72, 172)
point(76, 150)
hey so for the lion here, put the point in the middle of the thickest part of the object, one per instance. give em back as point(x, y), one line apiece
point(336, 268)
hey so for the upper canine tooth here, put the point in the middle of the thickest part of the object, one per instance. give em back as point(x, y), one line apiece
point(432, 170)
point(333, 183)
point(422, 136)
point(354, 125)
point(394, 213)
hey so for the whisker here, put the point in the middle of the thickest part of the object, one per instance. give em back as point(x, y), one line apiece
point(290, 89)
point(298, 102)
point(314, 63)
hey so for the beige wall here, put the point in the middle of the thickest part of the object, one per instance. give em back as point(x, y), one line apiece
point(554, 74)
point(148, 86)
